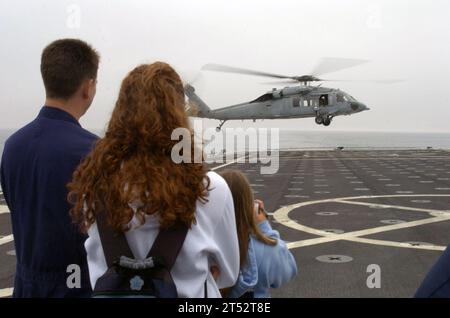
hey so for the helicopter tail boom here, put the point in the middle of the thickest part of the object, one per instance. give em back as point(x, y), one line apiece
point(202, 109)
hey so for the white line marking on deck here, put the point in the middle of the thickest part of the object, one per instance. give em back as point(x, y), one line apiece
point(295, 196)
point(282, 216)
point(4, 209)
point(6, 292)
point(6, 239)
point(420, 201)
point(229, 163)
point(397, 207)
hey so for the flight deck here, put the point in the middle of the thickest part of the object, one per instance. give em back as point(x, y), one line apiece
point(346, 215)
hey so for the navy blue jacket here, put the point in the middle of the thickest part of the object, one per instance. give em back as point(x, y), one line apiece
point(37, 163)
point(437, 281)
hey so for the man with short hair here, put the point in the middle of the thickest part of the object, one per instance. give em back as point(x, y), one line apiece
point(37, 163)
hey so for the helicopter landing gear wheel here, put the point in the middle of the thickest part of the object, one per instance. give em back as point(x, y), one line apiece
point(220, 125)
point(319, 120)
point(327, 121)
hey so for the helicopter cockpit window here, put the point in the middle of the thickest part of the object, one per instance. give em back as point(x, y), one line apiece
point(340, 98)
point(263, 98)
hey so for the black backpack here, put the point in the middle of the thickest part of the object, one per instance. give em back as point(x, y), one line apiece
point(127, 277)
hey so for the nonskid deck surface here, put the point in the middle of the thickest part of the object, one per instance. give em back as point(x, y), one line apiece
point(346, 215)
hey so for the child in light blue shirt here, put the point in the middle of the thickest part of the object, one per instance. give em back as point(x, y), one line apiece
point(265, 261)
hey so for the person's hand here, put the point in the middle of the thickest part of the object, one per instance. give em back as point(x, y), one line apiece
point(261, 204)
point(215, 272)
point(260, 212)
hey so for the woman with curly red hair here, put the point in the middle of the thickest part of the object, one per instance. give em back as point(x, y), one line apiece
point(131, 181)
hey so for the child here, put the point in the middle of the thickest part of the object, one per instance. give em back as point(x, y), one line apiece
point(265, 261)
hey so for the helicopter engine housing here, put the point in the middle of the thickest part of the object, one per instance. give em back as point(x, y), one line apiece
point(279, 93)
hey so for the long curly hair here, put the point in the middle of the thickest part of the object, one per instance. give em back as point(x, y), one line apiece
point(132, 164)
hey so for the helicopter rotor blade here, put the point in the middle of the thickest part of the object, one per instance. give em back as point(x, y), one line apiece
point(237, 70)
point(333, 64)
point(384, 81)
point(281, 82)
point(326, 65)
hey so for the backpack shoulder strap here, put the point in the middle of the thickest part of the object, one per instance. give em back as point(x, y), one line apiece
point(114, 243)
point(168, 244)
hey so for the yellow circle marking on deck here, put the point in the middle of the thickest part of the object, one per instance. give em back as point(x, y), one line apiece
point(4, 209)
point(282, 217)
point(6, 292)
point(6, 239)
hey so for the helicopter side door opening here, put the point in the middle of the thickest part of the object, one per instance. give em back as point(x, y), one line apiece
point(323, 100)
point(322, 119)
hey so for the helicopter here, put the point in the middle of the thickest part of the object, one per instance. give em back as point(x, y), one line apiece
point(301, 101)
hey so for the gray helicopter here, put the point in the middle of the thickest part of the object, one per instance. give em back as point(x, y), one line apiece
point(300, 101)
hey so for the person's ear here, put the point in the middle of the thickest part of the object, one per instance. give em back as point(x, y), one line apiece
point(85, 89)
point(88, 89)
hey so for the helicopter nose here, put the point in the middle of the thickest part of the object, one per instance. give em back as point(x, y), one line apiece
point(363, 107)
point(358, 106)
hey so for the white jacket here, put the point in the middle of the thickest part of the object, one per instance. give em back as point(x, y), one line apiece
point(211, 241)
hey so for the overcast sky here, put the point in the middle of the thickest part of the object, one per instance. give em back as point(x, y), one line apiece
point(403, 40)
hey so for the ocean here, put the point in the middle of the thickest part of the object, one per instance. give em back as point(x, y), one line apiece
point(311, 140)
